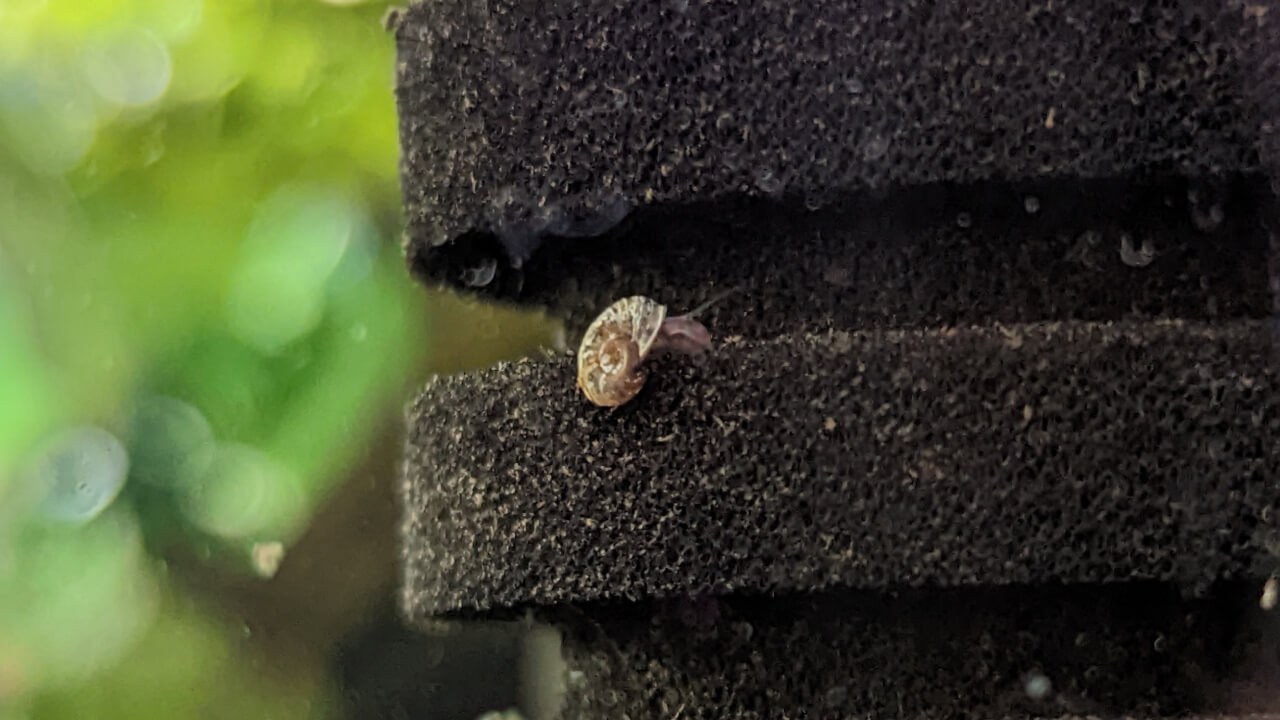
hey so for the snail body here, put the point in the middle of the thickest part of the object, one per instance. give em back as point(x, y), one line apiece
point(621, 338)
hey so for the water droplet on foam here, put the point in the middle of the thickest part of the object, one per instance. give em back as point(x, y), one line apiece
point(1136, 257)
point(482, 274)
point(1037, 686)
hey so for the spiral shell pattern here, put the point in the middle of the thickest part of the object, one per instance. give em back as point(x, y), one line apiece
point(615, 346)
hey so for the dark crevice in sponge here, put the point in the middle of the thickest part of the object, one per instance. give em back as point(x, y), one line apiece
point(928, 256)
point(518, 119)
point(1057, 452)
point(1129, 650)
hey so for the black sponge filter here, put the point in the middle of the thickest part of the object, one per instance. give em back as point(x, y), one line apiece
point(1056, 452)
point(522, 121)
point(990, 426)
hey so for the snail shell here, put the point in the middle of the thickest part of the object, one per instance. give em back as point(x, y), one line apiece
point(613, 348)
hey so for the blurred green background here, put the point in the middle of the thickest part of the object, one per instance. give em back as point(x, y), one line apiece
point(207, 335)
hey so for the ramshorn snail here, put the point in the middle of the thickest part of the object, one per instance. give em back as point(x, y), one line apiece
point(617, 343)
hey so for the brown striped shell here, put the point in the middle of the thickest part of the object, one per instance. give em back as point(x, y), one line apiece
point(613, 348)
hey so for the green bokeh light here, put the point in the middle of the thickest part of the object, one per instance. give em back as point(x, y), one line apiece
point(244, 492)
point(198, 221)
point(170, 443)
point(75, 599)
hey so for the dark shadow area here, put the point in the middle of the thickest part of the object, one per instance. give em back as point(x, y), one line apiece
point(935, 255)
point(1015, 651)
point(457, 672)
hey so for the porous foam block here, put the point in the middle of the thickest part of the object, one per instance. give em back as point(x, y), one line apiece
point(521, 121)
point(1132, 650)
point(1038, 453)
